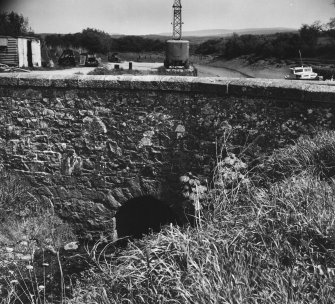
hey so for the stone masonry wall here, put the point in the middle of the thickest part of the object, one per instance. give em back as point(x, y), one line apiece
point(90, 143)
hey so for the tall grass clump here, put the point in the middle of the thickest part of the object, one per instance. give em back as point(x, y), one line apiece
point(31, 237)
point(271, 244)
point(315, 154)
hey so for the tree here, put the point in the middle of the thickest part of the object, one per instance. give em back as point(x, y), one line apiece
point(13, 24)
point(309, 35)
point(212, 46)
point(95, 40)
point(234, 46)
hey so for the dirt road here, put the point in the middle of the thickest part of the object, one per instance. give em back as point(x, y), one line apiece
point(81, 70)
point(203, 70)
point(260, 69)
point(209, 71)
point(69, 71)
point(229, 69)
point(141, 66)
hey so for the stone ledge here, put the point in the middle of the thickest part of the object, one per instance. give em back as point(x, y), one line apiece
point(312, 91)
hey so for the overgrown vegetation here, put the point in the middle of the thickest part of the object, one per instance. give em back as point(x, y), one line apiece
point(253, 242)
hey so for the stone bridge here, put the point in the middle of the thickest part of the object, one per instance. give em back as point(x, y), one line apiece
point(88, 144)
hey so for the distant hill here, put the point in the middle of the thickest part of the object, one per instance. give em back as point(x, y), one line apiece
point(198, 37)
point(207, 33)
point(226, 32)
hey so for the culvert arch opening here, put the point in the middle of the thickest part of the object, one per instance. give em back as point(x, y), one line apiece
point(142, 215)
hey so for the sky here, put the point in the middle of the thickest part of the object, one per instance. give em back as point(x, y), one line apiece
point(139, 17)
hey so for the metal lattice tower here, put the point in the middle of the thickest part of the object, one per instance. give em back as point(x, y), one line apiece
point(177, 22)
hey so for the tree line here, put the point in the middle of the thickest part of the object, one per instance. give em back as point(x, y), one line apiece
point(92, 40)
point(13, 24)
point(98, 41)
point(313, 40)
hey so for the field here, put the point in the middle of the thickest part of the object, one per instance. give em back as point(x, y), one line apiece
point(264, 234)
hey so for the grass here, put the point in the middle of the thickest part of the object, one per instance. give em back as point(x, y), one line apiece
point(254, 242)
point(316, 155)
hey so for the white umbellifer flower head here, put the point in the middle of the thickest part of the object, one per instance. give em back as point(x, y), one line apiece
point(230, 160)
point(30, 267)
point(184, 179)
point(71, 246)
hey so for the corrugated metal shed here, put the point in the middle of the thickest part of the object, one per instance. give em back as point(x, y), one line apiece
point(9, 53)
point(20, 51)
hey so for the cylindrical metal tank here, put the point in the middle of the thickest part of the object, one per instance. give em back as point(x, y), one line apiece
point(177, 53)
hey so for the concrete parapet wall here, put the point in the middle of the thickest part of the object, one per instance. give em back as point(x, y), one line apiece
point(90, 143)
point(312, 91)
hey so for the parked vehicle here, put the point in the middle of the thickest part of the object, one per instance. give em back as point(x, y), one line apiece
point(302, 73)
point(91, 60)
point(113, 57)
point(67, 58)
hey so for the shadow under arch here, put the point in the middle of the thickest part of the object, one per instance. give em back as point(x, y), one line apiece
point(141, 215)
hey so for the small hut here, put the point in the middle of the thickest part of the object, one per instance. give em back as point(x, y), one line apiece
point(20, 51)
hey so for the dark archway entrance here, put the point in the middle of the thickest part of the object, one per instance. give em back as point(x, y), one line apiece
point(141, 215)
point(29, 54)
